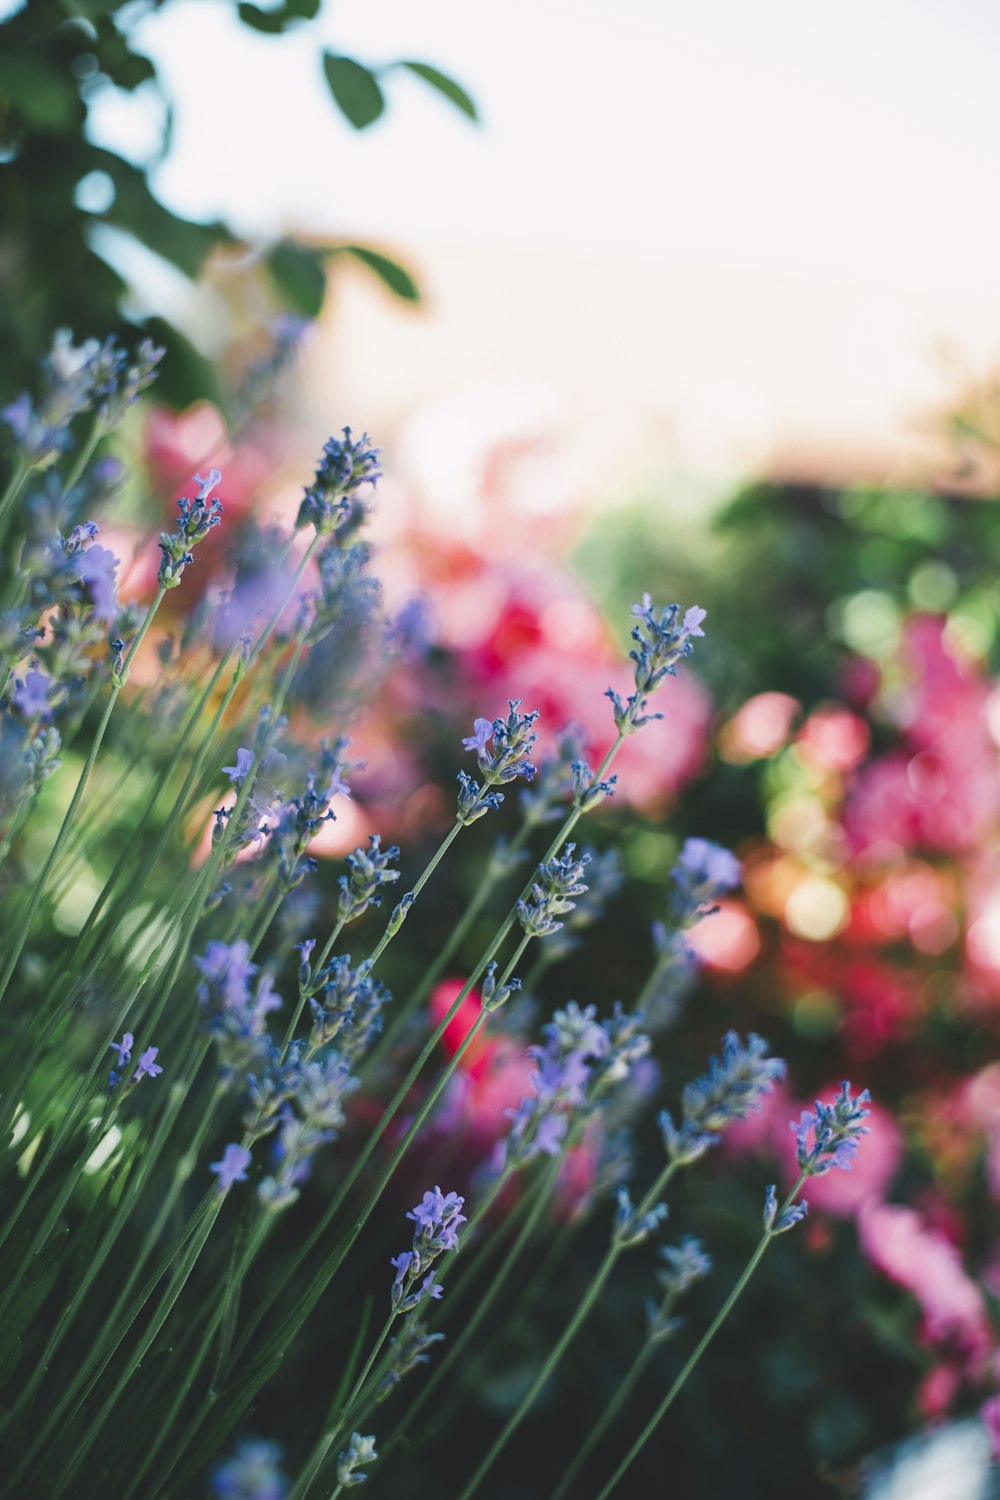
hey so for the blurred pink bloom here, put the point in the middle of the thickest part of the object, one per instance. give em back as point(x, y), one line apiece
point(901, 1245)
point(990, 1413)
point(834, 739)
point(759, 727)
point(728, 940)
point(938, 1390)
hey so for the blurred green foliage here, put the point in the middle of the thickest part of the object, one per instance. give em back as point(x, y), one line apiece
point(55, 58)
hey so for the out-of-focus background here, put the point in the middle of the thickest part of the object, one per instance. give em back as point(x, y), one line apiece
point(700, 299)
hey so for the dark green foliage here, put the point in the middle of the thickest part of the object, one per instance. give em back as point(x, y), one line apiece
point(54, 58)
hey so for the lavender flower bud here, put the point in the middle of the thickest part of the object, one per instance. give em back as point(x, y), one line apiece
point(361, 1451)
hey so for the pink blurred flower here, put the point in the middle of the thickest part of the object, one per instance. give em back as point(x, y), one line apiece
point(901, 1245)
point(834, 739)
point(990, 1413)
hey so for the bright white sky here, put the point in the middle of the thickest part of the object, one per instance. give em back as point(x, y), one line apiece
point(857, 137)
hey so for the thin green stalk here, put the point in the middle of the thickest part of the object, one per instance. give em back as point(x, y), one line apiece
point(326, 1441)
point(97, 1359)
point(491, 1293)
point(701, 1346)
point(582, 1311)
point(40, 883)
point(121, 1215)
point(621, 1397)
point(450, 947)
point(194, 770)
point(168, 1428)
point(151, 1332)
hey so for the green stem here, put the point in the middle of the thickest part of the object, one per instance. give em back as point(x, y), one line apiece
point(493, 1291)
point(316, 1459)
point(451, 946)
point(40, 883)
point(152, 1330)
point(607, 1417)
point(583, 1309)
point(699, 1350)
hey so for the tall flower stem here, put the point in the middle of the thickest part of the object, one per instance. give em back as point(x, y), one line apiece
point(700, 1347)
point(583, 1309)
point(337, 1418)
point(448, 949)
point(542, 1191)
point(40, 883)
point(336, 1257)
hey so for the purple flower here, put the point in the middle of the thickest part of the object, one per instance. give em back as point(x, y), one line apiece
point(206, 486)
point(123, 1048)
point(710, 864)
point(31, 697)
point(775, 1223)
point(96, 567)
point(252, 1474)
point(829, 1135)
point(437, 1217)
point(148, 1066)
point(693, 618)
point(550, 1134)
point(482, 734)
point(233, 1166)
point(237, 774)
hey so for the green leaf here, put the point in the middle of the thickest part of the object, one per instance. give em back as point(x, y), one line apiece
point(444, 85)
point(270, 22)
point(234, 1401)
point(273, 22)
point(300, 274)
point(8, 1363)
point(46, 99)
point(395, 276)
point(38, 1282)
point(354, 88)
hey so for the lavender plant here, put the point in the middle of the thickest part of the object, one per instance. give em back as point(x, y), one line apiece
point(166, 1249)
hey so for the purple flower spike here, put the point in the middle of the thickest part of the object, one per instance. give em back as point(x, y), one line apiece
point(233, 1166)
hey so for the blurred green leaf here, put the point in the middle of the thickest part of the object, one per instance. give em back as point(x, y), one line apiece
point(354, 88)
point(271, 22)
point(444, 85)
point(181, 241)
point(395, 276)
point(46, 99)
point(300, 273)
point(185, 375)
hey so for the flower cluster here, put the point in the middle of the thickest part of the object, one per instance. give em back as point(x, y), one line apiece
point(502, 747)
point(661, 644)
point(77, 379)
point(197, 518)
point(361, 1451)
point(574, 1041)
point(829, 1135)
point(371, 869)
point(683, 1266)
point(236, 1009)
point(437, 1218)
point(346, 465)
point(733, 1087)
point(557, 883)
point(704, 871)
point(147, 1066)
